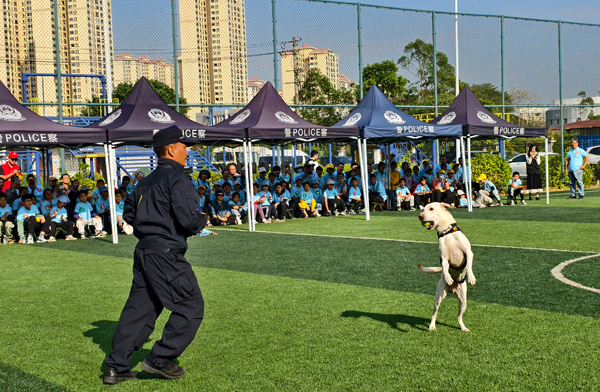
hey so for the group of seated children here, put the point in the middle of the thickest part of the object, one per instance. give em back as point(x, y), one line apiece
point(38, 215)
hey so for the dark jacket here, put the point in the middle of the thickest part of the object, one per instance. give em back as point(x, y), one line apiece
point(163, 209)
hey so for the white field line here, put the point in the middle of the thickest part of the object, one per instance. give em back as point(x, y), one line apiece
point(397, 240)
point(557, 273)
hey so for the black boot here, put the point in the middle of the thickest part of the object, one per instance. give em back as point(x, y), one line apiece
point(111, 376)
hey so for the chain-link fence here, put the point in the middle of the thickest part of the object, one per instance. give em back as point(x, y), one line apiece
point(208, 58)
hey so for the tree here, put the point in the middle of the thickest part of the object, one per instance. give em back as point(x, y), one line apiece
point(165, 92)
point(418, 60)
point(93, 110)
point(520, 97)
point(317, 89)
point(585, 100)
point(385, 76)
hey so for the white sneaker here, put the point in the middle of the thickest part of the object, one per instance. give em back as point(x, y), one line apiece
point(30, 240)
point(51, 239)
point(336, 213)
point(238, 221)
point(523, 202)
point(101, 235)
point(92, 237)
point(41, 239)
point(83, 237)
point(70, 238)
point(512, 202)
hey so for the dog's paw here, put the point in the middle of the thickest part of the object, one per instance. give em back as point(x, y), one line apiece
point(432, 328)
point(472, 280)
point(465, 329)
point(449, 280)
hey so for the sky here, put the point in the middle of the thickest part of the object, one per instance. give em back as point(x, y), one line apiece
point(530, 48)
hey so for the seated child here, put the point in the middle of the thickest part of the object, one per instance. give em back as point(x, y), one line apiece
point(515, 188)
point(203, 205)
point(341, 186)
point(29, 219)
point(462, 199)
point(281, 196)
point(377, 193)
point(217, 187)
point(18, 202)
point(489, 188)
point(6, 220)
point(238, 207)
point(226, 191)
point(96, 193)
point(267, 202)
point(86, 217)
point(119, 206)
point(317, 194)
point(404, 197)
point(355, 201)
point(256, 204)
point(307, 202)
point(237, 187)
point(332, 201)
point(126, 183)
point(295, 194)
point(102, 206)
point(422, 193)
point(47, 203)
point(58, 219)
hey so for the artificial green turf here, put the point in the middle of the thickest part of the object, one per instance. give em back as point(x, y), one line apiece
point(319, 313)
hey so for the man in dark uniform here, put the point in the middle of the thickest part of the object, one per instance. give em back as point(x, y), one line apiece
point(163, 210)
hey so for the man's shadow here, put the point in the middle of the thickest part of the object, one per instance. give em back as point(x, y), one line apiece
point(393, 320)
point(102, 334)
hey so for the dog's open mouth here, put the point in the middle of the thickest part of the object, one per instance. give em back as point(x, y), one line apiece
point(428, 224)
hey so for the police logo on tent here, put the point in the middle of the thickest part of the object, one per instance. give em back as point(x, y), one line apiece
point(447, 119)
point(240, 117)
point(8, 113)
point(285, 118)
point(110, 119)
point(355, 118)
point(160, 116)
point(393, 118)
point(485, 118)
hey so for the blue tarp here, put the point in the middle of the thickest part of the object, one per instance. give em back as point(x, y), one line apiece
point(378, 118)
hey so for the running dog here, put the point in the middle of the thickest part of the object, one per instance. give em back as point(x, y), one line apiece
point(456, 258)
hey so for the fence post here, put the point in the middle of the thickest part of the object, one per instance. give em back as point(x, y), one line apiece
point(502, 141)
point(436, 144)
point(58, 80)
point(560, 92)
point(274, 12)
point(330, 157)
point(175, 65)
point(360, 66)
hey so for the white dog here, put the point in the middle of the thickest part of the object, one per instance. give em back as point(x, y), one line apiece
point(456, 258)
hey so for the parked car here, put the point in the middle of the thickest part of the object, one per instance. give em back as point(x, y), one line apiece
point(519, 163)
point(324, 161)
point(594, 155)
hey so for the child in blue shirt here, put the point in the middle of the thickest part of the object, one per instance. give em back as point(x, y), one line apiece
point(267, 202)
point(295, 193)
point(355, 201)
point(377, 193)
point(489, 189)
point(332, 201)
point(281, 197)
point(307, 201)
point(86, 217)
point(6, 220)
point(96, 192)
point(203, 205)
point(102, 206)
point(515, 188)
point(58, 219)
point(237, 187)
point(203, 178)
point(47, 203)
point(30, 219)
point(238, 207)
point(403, 196)
point(18, 203)
point(422, 193)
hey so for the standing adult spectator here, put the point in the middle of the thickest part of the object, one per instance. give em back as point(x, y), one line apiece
point(9, 170)
point(577, 160)
point(534, 173)
point(163, 210)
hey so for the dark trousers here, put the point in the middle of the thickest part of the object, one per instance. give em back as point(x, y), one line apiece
point(294, 207)
point(392, 197)
point(270, 211)
point(32, 226)
point(335, 204)
point(160, 280)
point(229, 221)
point(422, 199)
point(105, 216)
point(375, 197)
point(356, 205)
point(439, 196)
point(68, 226)
point(282, 209)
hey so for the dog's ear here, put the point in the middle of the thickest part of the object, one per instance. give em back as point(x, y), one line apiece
point(445, 206)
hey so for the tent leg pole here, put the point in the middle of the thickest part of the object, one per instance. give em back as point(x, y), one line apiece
point(251, 189)
point(365, 185)
point(464, 171)
point(111, 188)
point(547, 176)
point(113, 219)
point(246, 166)
point(362, 171)
point(470, 179)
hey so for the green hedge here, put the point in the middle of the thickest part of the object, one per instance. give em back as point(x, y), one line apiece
point(494, 167)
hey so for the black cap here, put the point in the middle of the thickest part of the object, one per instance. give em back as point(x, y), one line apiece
point(170, 135)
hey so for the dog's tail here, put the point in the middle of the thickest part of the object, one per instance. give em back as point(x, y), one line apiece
point(430, 270)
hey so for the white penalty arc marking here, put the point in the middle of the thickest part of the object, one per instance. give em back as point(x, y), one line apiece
point(557, 273)
point(398, 240)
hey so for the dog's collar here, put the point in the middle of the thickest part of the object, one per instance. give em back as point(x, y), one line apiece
point(453, 228)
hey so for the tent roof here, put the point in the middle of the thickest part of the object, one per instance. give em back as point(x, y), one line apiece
point(468, 111)
point(268, 119)
point(143, 112)
point(378, 118)
point(20, 127)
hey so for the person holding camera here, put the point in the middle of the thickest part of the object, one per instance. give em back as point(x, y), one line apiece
point(534, 173)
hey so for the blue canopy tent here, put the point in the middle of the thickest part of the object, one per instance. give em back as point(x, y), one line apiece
point(380, 121)
point(476, 121)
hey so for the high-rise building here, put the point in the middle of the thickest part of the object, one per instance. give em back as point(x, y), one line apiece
point(296, 63)
point(213, 51)
point(129, 69)
point(30, 46)
point(254, 86)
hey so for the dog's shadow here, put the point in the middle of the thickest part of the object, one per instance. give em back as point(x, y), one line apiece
point(395, 320)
